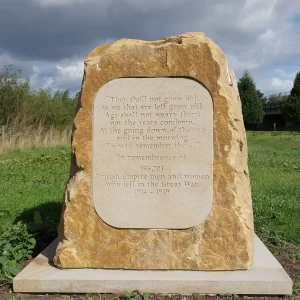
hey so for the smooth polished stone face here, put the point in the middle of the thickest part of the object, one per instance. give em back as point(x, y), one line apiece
point(152, 159)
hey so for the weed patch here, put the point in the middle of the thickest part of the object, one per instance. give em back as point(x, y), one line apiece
point(16, 244)
point(135, 295)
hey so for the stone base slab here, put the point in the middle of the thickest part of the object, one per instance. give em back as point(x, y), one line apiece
point(266, 277)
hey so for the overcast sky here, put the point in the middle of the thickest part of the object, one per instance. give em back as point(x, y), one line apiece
point(49, 39)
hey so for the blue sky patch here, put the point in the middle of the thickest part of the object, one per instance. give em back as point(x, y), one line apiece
point(296, 19)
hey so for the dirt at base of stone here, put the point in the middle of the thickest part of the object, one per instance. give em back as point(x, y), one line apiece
point(6, 295)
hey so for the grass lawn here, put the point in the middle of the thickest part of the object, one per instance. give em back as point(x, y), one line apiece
point(274, 163)
point(32, 185)
point(30, 181)
point(34, 180)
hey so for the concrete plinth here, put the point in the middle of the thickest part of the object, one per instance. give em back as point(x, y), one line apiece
point(267, 277)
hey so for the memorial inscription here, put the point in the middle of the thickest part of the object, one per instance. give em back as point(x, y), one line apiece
point(158, 144)
point(153, 153)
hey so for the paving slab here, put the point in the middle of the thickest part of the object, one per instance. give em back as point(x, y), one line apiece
point(266, 277)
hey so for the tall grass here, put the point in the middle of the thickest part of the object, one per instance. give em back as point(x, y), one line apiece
point(16, 137)
point(33, 118)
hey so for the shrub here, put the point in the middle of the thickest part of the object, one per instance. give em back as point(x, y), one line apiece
point(251, 102)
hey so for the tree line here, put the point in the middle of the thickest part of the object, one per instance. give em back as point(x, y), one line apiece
point(21, 105)
point(253, 101)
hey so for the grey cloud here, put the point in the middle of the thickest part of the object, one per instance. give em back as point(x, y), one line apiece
point(254, 34)
point(31, 31)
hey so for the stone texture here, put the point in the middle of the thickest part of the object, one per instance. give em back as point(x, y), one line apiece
point(266, 277)
point(224, 241)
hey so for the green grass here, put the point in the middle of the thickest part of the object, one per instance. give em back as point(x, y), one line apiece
point(30, 181)
point(34, 180)
point(274, 164)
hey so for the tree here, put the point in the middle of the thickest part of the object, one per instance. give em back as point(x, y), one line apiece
point(251, 102)
point(262, 97)
point(13, 91)
point(292, 106)
point(274, 98)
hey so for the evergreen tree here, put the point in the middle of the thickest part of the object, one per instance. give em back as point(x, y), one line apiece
point(251, 102)
point(292, 107)
point(262, 97)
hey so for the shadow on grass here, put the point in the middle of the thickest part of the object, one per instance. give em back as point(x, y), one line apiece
point(42, 221)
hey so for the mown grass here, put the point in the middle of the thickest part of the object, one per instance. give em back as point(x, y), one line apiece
point(34, 180)
point(274, 164)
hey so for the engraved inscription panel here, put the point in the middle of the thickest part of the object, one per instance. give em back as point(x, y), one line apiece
point(153, 153)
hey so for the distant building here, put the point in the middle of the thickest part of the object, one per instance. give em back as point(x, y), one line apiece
point(273, 114)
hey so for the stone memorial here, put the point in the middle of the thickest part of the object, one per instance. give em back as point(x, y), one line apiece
point(158, 197)
point(159, 176)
